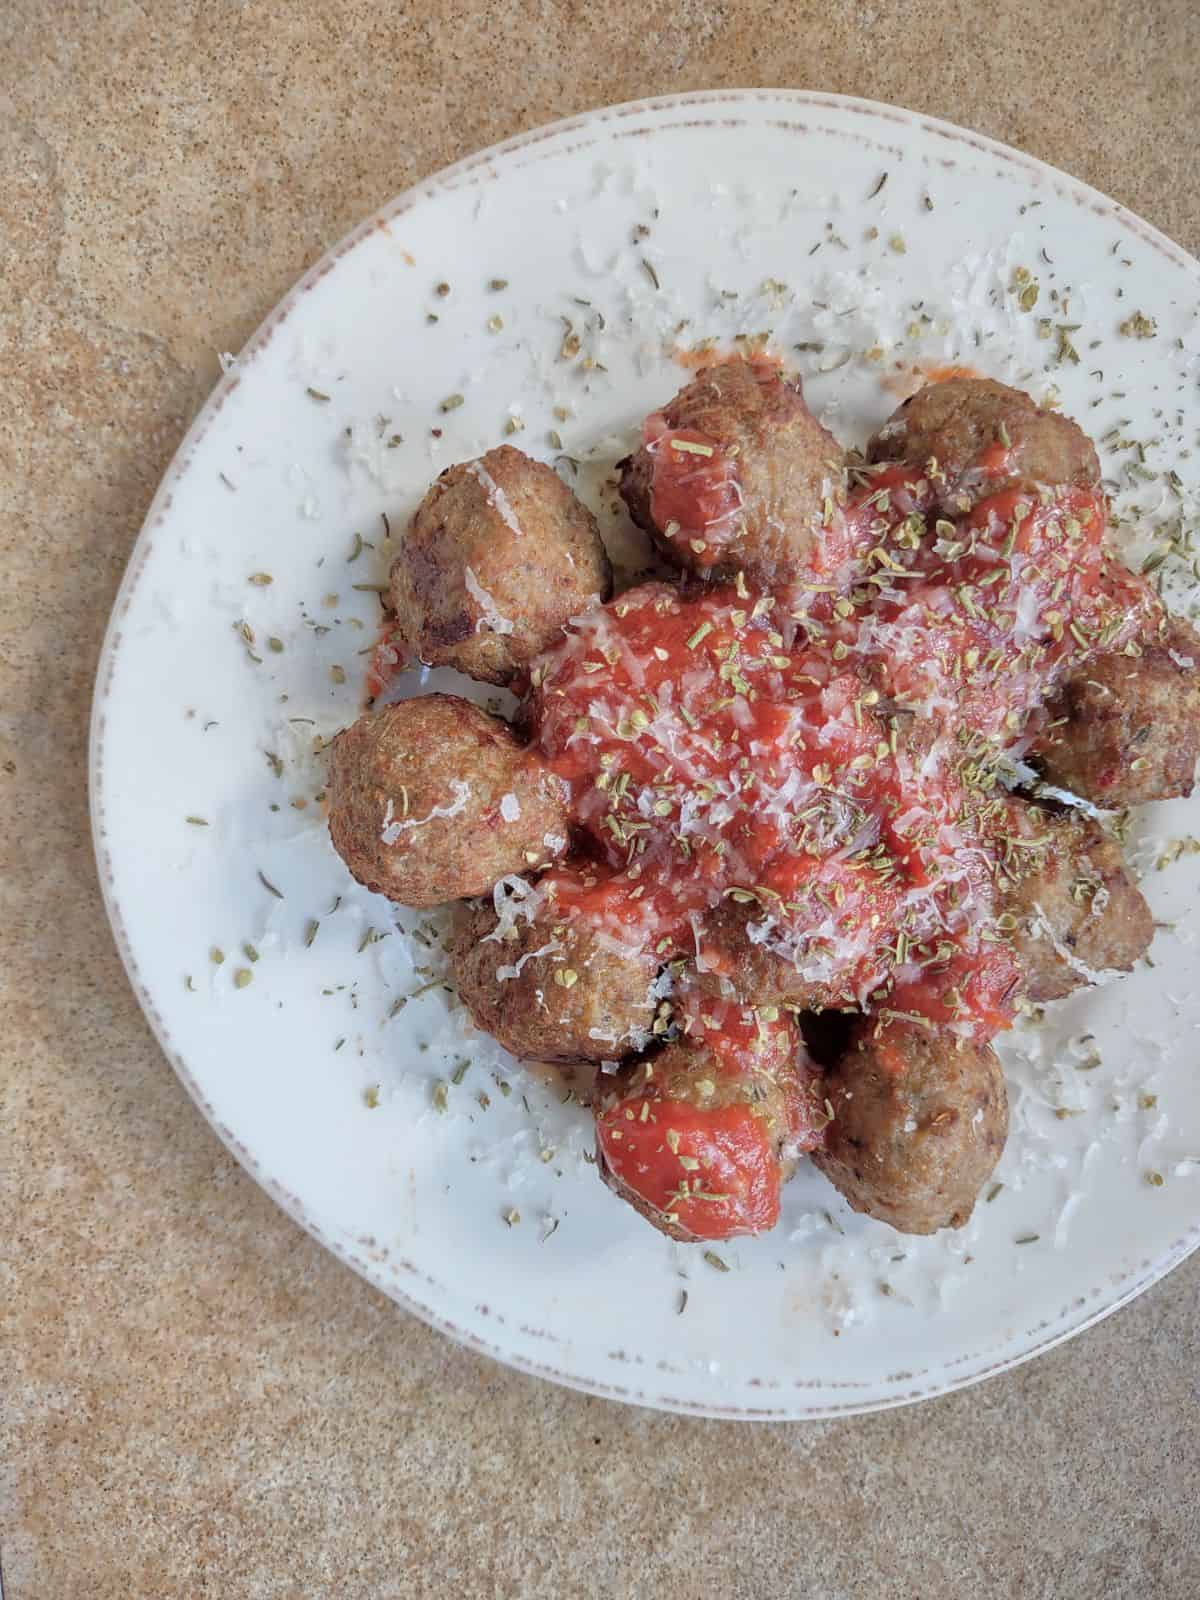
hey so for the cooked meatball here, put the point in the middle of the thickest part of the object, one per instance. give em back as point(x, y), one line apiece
point(1078, 913)
point(735, 474)
point(985, 437)
point(756, 971)
point(497, 557)
point(919, 1122)
point(552, 991)
point(1129, 726)
point(432, 799)
point(701, 1150)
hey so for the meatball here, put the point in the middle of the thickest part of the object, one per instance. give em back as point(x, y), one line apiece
point(735, 474)
point(984, 437)
point(757, 971)
point(552, 991)
point(701, 1150)
point(432, 799)
point(497, 557)
point(1126, 729)
point(1077, 912)
point(919, 1122)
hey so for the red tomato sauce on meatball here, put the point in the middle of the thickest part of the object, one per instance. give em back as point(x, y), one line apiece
point(694, 493)
point(754, 746)
point(389, 657)
point(710, 1154)
point(778, 790)
point(711, 1172)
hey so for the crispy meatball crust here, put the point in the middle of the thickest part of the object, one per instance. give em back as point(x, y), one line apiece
point(1131, 732)
point(498, 556)
point(919, 1122)
point(689, 1074)
point(433, 799)
point(1078, 912)
point(959, 421)
point(572, 1000)
point(787, 464)
point(731, 963)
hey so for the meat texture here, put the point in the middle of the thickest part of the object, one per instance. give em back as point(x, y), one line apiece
point(432, 799)
point(756, 501)
point(919, 1122)
point(1126, 730)
point(498, 556)
point(1069, 906)
point(984, 437)
point(551, 990)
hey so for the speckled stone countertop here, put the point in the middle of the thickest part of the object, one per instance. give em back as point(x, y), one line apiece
point(195, 1400)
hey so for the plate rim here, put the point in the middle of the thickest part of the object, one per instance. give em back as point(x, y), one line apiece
point(1064, 1327)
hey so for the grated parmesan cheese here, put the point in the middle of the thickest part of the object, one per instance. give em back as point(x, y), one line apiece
point(491, 617)
point(393, 826)
point(496, 496)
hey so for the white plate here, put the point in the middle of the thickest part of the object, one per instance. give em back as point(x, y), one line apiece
point(743, 194)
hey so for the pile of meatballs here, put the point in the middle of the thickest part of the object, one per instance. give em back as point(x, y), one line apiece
point(725, 1057)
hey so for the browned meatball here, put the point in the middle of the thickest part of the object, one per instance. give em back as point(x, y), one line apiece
point(552, 992)
point(497, 557)
point(1129, 726)
point(919, 1122)
point(756, 500)
point(700, 1145)
point(984, 437)
point(432, 799)
point(758, 971)
point(1077, 911)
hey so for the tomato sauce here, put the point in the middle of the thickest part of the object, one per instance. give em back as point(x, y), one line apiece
point(695, 492)
point(694, 496)
point(935, 373)
point(388, 659)
point(711, 1154)
point(719, 1176)
point(822, 755)
point(817, 754)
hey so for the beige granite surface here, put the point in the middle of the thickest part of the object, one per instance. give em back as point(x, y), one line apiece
point(195, 1400)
